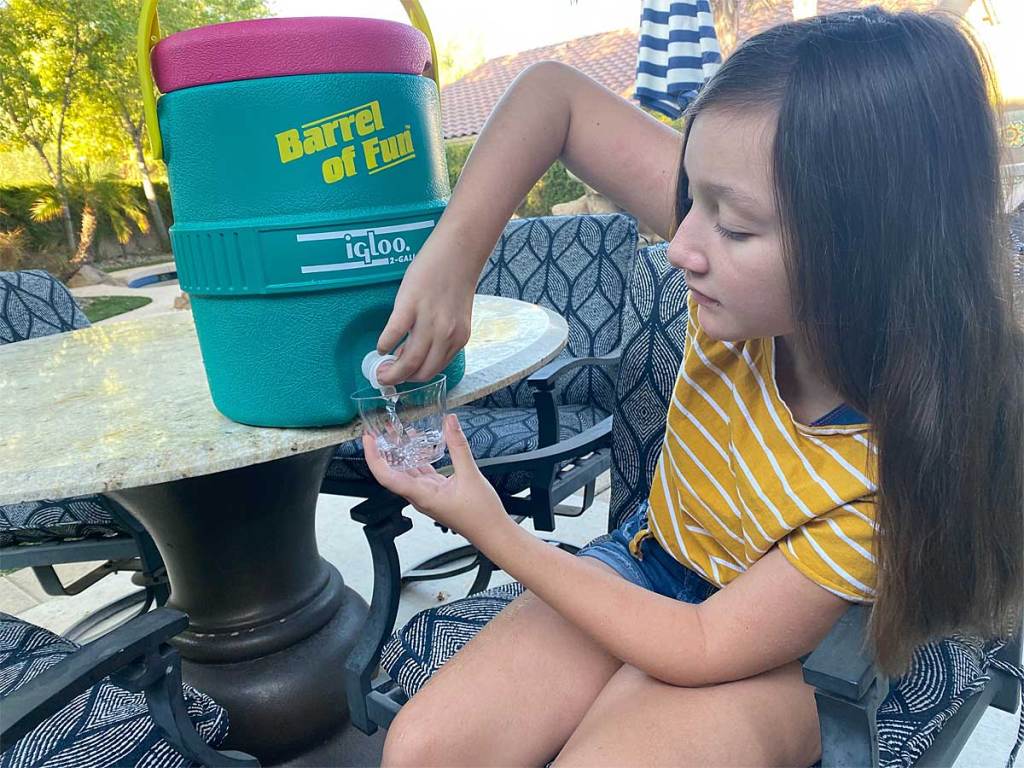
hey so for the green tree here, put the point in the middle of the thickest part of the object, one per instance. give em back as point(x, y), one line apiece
point(113, 78)
point(44, 45)
point(456, 59)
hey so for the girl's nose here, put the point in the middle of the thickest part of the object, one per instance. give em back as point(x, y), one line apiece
point(686, 250)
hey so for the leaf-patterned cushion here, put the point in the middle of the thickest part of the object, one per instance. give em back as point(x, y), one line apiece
point(579, 267)
point(51, 520)
point(653, 336)
point(34, 303)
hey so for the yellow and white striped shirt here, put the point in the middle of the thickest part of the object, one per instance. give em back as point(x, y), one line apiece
point(738, 475)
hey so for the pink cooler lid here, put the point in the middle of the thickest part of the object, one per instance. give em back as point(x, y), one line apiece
point(245, 50)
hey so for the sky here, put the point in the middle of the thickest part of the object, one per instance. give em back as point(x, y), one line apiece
point(497, 28)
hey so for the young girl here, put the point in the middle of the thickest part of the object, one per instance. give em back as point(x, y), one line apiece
point(847, 424)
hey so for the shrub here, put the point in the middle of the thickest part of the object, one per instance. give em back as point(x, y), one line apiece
point(12, 249)
point(554, 187)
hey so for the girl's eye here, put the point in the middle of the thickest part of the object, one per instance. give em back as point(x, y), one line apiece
point(729, 234)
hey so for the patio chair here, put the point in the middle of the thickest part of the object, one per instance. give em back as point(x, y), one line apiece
point(116, 701)
point(43, 533)
point(866, 719)
point(578, 266)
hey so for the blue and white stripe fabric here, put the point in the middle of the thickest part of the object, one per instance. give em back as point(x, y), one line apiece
point(678, 51)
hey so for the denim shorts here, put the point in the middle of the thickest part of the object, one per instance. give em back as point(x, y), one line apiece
point(654, 569)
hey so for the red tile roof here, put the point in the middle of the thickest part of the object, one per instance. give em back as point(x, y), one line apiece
point(609, 58)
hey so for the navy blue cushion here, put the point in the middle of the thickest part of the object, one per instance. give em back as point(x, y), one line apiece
point(942, 675)
point(102, 727)
point(421, 647)
point(34, 303)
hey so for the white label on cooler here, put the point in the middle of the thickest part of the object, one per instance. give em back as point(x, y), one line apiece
point(366, 247)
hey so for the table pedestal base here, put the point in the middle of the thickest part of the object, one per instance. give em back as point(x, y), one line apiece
point(270, 621)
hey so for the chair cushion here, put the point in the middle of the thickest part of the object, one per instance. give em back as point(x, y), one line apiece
point(34, 303)
point(942, 675)
point(421, 647)
point(653, 336)
point(579, 267)
point(491, 432)
point(103, 726)
point(51, 520)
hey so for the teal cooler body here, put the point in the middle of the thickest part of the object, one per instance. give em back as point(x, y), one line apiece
point(299, 202)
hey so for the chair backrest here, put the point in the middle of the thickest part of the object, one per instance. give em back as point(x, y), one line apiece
point(578, 266)
point(653, 336)
point(34, 303)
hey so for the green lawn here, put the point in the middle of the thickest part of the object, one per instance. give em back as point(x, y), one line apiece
point(101, 307)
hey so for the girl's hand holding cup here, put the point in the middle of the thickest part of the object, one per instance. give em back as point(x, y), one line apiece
point(464, 501)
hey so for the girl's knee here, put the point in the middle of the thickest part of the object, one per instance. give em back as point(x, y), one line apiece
point(420, 737)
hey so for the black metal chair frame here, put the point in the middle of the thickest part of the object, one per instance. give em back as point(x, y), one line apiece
point(136, 656)
point(132, 551)
point(553, 480)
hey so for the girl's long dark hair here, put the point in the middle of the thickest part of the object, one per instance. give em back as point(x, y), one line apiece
point(886, 171)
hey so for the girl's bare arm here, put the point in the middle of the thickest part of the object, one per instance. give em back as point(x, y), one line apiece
point(551, 111)
point(768, 616)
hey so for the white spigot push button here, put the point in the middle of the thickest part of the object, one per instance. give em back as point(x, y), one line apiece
point(372, 363)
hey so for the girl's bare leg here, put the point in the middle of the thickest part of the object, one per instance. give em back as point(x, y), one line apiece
point(768, 719)
point(512, 696)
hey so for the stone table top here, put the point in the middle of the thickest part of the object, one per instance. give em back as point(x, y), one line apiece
point(122, 405)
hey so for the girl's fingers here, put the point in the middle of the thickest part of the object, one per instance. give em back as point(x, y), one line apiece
point(386, 476)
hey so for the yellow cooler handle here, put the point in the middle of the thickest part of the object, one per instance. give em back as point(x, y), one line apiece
point(149, 35)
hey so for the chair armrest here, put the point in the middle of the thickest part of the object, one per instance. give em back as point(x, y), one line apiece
point(841, 665)
point(543, 383)
point(848, 690)
point(589, 440)
point(546, 378)
point(46, 693)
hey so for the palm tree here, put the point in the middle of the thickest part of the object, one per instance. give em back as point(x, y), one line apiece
point(104, 200)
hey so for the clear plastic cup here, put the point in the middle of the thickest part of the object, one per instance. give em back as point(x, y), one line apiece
point(406, 420)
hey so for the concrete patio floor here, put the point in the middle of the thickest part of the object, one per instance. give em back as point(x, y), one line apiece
point(341, 542)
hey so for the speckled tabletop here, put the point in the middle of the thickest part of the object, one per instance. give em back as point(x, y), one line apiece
point(121, 405)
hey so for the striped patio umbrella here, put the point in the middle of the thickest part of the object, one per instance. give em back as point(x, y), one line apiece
point(678, 51)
